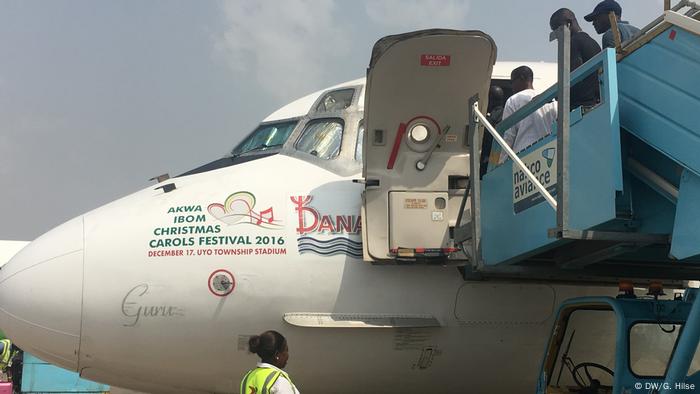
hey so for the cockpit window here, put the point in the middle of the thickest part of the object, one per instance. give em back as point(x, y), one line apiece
point(336, 100)
point(322, 138)
point(266, 136)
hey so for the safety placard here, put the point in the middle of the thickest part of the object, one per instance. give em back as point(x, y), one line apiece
point(415, 203)
point(542, 162)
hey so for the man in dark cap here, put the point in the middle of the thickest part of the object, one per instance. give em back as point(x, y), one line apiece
point(601, 23)
point(583, 47)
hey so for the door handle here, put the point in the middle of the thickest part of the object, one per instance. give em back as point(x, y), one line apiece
point(367, 182)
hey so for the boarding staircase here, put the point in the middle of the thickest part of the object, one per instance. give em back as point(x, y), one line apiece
point(613, 193)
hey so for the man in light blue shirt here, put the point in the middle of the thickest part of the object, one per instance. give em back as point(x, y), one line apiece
point(601, 23)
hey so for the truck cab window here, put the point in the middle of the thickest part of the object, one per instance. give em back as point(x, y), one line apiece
point(651, 346)
point(587, 352)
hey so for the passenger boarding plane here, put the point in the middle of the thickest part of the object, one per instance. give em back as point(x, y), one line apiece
point(159, 291)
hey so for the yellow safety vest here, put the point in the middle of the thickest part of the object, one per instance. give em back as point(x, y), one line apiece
point(260, 380)
point(6, 354)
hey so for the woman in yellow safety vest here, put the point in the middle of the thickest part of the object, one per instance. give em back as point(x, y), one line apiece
point(268, 376)
point(5, 353)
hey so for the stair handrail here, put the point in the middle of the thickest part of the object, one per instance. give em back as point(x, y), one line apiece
point(513, 156)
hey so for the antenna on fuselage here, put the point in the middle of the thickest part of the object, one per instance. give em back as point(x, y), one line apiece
point(162, 178)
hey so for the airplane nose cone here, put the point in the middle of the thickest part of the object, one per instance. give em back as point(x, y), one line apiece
point(41, 295)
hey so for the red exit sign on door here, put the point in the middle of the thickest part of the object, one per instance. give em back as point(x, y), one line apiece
point(435, 60)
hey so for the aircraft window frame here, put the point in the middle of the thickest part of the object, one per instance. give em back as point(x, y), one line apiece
point(290, 126)
point(339, 139)
point(348, 102)
point(360, 141)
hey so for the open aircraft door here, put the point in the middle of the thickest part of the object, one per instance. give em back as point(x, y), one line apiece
point(416, 163)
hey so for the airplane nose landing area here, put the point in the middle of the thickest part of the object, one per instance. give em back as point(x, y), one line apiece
point(41, 295)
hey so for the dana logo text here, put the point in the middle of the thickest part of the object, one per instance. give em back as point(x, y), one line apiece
point(312, 221)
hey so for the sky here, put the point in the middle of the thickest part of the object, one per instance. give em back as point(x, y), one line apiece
point(96, 97)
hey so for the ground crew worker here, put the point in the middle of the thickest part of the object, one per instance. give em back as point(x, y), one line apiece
point(5, 353)
point(268, 376)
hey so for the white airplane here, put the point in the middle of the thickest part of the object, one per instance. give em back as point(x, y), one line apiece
point(159, 291)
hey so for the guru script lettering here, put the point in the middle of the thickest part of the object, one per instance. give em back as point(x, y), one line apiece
point(135, 307)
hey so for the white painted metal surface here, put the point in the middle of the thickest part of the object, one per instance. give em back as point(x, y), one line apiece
point(682, 21)
point(9, 249)
point(41, 294)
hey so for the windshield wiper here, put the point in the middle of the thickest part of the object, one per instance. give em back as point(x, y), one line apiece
point(257, 148)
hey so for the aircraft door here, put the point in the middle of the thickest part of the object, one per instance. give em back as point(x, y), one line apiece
point(415, 145)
